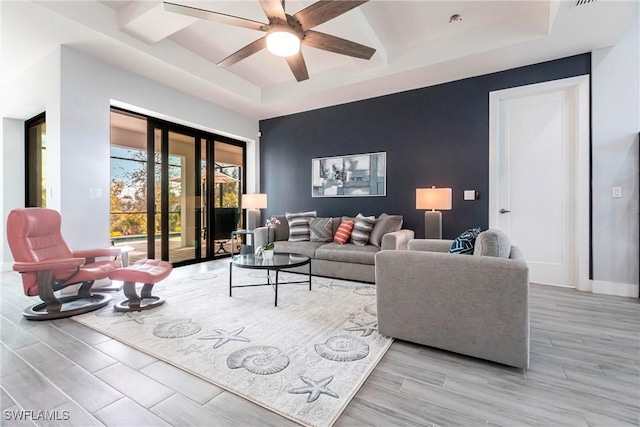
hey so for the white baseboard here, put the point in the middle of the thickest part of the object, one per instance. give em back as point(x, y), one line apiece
point(614, 288)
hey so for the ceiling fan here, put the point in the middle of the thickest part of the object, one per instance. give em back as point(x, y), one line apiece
point(285, 33)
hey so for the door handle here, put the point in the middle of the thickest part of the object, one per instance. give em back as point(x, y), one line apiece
point(504, 211)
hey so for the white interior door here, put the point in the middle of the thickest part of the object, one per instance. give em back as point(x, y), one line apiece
point(536, 188)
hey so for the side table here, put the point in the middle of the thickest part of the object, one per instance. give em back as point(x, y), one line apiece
point(246, 248)
point(116, 285)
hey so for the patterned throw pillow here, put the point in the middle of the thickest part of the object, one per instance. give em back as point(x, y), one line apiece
point(464, 243)
point(362, 229)
point(321, 230)
point(299, 226)
point(343, 233)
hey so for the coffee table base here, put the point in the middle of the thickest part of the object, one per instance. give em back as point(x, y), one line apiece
point(270, 282)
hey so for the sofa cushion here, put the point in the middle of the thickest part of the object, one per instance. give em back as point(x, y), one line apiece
point(321, 229)
point(362, 229)
point(343, 233)
point(464, 243)
point(348, 253)
point(281, 231)
point(304, 248)
point(492, 242)
point(384, 224)
point(299, 225)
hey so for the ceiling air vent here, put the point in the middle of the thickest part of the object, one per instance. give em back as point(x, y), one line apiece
point(584, 2)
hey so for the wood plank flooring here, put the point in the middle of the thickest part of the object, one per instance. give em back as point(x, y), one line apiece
point(585, 371)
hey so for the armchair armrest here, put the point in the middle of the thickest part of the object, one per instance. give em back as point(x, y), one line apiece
point(95, 253)
point(396, 240)
point(261, 237)
point(53, 264)
point(430, 245)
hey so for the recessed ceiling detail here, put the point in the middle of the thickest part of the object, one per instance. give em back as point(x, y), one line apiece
point(415, 45)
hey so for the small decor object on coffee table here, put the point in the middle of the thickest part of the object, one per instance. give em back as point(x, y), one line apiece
point(266, 251)
point(278, 262)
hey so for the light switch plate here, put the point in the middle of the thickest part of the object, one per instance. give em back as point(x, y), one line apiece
point(470, 194)
point(616, 192)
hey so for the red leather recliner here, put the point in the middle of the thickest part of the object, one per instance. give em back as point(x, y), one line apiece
point(48, 265)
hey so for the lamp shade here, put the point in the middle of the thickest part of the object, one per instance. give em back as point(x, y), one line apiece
point(254, 201)
point(433, 198)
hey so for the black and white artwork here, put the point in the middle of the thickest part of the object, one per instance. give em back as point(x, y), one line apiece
point(350, 176)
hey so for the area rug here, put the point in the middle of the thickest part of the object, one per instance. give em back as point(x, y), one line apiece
point(304, 359)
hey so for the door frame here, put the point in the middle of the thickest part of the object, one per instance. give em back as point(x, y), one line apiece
point(579, 91)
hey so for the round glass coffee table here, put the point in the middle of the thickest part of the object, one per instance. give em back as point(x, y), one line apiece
point(280, 261)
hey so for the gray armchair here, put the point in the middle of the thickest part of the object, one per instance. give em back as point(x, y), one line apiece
point(469, 304)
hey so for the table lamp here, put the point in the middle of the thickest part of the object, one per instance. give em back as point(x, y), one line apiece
point(433, 198)
point(253, 203)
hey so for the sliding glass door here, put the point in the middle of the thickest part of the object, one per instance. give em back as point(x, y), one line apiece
point(175, 190)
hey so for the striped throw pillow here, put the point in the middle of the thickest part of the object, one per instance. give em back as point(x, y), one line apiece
point(299, 226)
point(362, 229)
point(343, 232)
point(321, 230)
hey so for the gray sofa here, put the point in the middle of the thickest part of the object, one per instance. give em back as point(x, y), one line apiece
point(476, 305)
point(348, 261)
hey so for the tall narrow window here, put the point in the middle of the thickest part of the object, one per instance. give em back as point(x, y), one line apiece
point(35, 161)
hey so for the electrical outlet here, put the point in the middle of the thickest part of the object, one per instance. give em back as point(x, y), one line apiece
point(616, 192)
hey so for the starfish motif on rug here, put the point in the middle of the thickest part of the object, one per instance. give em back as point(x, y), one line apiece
point(330, 286)
point(191, 349)
point(224, 337)
point(366, 328)
point(136, 317)
point(315, 388)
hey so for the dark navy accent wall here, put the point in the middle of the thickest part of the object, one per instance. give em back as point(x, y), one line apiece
point(438, 135)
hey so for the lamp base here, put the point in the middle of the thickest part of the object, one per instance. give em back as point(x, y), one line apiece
point(433, 225)
point(253, 219)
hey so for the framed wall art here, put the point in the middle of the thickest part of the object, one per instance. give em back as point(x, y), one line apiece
point(355, 175)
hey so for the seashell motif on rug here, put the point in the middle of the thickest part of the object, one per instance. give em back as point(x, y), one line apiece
point(304, 359)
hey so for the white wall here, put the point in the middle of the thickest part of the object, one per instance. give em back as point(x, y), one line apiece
point(37, 90)
point(615, 127)
point(78, 139)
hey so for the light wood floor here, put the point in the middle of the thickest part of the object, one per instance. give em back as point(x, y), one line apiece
point(585, 371)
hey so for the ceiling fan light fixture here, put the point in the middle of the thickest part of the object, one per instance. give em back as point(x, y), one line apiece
point(283, 43)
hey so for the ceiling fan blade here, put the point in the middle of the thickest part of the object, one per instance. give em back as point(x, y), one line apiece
point(245, 52)
point(298, 67)
point(337, 45)
point(215, 16)
point(324, 10)
point(273, 9)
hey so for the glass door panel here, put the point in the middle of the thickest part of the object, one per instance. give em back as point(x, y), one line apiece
point(184, 200)
point(154, 236)
point(228, 185)
point(129, 187)
point(204, 248)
